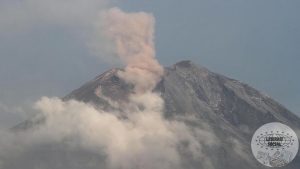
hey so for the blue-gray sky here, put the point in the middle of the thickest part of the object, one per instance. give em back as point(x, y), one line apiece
point(43, 46)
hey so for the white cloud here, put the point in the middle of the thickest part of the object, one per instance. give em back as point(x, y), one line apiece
point(142, 140)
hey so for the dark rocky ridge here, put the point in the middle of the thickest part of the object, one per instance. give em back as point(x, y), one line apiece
point(201, 93)
point(231, 109)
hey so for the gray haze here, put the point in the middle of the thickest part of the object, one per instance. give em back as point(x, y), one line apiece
point(255, 41)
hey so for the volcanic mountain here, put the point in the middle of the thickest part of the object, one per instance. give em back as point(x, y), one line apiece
point(233, 110)
point(199, 98)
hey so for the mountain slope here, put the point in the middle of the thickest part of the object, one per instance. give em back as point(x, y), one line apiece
point(233, 110)
point(225, 111)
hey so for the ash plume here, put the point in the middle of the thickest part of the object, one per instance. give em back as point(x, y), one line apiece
point(144, 139)
point(132, 35)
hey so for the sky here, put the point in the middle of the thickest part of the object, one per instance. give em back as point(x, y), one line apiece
point(45, 46)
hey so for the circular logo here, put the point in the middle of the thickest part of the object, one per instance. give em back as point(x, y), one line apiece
point(274, 144)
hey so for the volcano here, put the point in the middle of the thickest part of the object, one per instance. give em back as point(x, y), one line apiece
point(198, 97)
point(233, 110)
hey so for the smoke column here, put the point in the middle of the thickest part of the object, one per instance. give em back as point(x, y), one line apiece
point(100, 139)
point(132, 34)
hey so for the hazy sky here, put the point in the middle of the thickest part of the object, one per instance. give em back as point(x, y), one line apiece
point(43, 45)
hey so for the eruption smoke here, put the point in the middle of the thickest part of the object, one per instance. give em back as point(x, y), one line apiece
point(143, 140)
point(132, 34)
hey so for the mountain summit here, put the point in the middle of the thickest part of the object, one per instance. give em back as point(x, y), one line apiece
point(233, 110)
point(189, 89)
point(224, 112)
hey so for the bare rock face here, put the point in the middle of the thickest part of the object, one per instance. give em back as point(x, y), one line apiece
point(189, 89)
point(199, 97)
point(232, 109)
